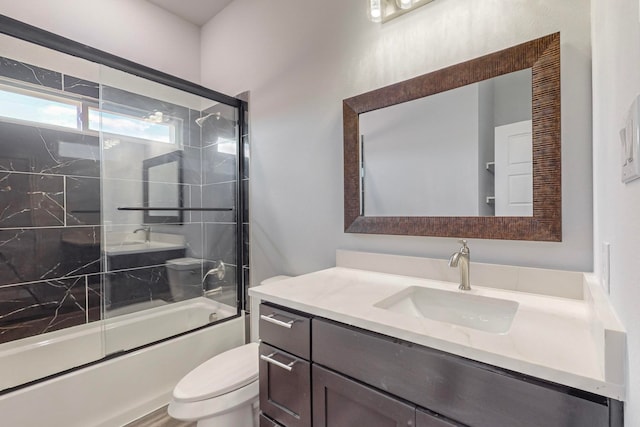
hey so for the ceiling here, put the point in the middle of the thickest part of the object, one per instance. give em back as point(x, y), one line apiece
point(198, 12)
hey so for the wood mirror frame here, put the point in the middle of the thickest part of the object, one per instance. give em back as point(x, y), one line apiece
point(543, 57)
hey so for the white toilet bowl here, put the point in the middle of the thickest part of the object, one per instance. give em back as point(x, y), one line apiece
point(221, 392)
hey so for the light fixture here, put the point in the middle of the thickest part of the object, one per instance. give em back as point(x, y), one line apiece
point(385, 10)
point(375, 10)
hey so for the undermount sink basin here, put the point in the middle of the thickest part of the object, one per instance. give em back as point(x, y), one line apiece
point(472, 311)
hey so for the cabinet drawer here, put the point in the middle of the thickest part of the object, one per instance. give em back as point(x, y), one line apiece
point(285, 387)
point(341, 402)
point(468, 392)
point(286, 330)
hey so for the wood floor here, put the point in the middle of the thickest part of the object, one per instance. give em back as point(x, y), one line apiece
point(159, 418)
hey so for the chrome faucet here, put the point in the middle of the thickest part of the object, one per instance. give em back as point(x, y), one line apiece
point(461, 258)
point(147, 233)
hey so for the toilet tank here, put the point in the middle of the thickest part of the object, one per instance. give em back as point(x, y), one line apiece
point(185, 278)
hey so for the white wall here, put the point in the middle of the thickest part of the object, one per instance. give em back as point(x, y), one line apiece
point(133, 29)
point(616, 81)
point(300, 59)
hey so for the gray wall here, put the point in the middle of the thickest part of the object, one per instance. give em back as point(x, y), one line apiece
point(421, 157)
point(311, 56)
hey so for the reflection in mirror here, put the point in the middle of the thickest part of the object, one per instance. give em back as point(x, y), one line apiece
point(462, 152)
point(162, 188)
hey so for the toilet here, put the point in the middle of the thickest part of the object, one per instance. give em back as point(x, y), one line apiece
point(224, 390)
point(184, 276)
point(221, 392)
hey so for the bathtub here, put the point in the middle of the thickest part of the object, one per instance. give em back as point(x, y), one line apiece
point(120, 389)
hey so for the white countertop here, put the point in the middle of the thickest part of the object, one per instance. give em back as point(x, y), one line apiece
point(552, 338)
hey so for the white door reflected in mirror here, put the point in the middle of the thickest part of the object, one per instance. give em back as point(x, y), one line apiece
point(514, 170)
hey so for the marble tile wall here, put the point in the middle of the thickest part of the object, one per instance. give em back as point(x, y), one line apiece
point(49, 217)
point(52, 272)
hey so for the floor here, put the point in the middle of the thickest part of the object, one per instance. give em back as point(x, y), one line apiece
point(159, 418)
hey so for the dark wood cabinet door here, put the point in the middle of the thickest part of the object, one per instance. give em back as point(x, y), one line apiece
point(424, 419)
point(267, 422)
point(469, 392)
point(341, 402)
point(285, 387)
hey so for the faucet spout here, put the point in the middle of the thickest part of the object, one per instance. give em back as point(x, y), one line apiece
point(147, 233)
point(455, 258)
point(461, 259)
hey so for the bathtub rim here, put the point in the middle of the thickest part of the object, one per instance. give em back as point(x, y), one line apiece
point(105, 358)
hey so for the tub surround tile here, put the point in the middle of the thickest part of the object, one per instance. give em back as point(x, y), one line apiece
point(195, 134)
point(218, 129)
point(220, 242)
point(123, 288)
point(28, 255)
point(221, 195)
point(222, 165)
point(191, 166)
point(195, 201)
point(81, 87)
point(95, 284)
point(82, 200)
point(30, 200)
point(122, 101)
point(30, 73)
point(48, 151)
point(40, 307)
point(194, 241)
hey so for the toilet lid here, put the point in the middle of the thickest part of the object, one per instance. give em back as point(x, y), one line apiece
point(219, 375)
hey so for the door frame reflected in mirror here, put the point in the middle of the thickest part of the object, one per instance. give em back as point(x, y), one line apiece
point(543, 57)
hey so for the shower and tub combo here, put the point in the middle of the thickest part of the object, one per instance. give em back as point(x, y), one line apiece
point(123, 223)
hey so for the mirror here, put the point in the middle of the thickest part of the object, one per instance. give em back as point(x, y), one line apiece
point(472, 150)
point(448, 149)
point(162, 188)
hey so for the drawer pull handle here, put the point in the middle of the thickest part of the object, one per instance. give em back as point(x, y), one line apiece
point(269, 318)
point(287, 367)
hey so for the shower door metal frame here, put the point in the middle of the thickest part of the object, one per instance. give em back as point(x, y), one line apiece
point(38, 36)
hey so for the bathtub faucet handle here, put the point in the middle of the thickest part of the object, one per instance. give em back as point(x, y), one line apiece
point(219, 270)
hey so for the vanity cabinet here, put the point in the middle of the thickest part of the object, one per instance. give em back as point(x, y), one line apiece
point(285, 369)
point(340, 401)
point(361, 378)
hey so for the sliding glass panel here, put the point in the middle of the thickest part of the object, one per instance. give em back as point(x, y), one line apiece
point(169, 207)
point(50, 224)
point(118, 212)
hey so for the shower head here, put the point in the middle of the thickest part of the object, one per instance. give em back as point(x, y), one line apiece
point(200, 121)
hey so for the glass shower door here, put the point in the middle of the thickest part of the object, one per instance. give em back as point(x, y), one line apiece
point(169, 203)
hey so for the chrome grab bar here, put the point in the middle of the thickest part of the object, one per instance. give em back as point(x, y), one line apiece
point(269, 318)
point(288, 367)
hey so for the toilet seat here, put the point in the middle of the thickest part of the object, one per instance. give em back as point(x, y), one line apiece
point(194, 411)
point(220, 375)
